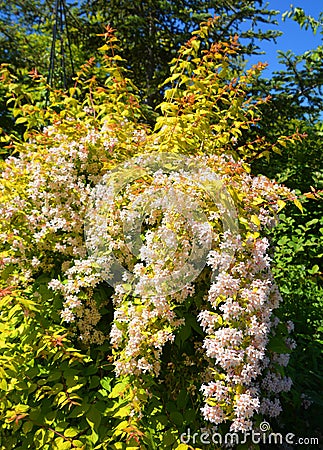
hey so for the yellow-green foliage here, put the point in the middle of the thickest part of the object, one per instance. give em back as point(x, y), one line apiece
point(60, 392)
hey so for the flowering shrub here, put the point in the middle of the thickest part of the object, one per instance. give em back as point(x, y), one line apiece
point(176, 224)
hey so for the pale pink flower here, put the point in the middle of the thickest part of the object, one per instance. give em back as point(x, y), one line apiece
point(213, 414)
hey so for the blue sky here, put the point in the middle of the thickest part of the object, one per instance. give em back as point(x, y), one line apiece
point(293, 38)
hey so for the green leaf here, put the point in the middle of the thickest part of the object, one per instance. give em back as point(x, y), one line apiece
point(93, 437)
point(78, 444)
point(298, 204)
point(21, 120)
point(189, 415)
point(183, 334)
point(39, 438)
point(314, 270)
point(118, 389)
point(95, 381)
point(276, 344)
point(169, 437)
point(254, 219)
point(106, 383)
point(71, 432)
point(182, 399)
point(27, 426)
point(93, 418)
point(177, 418)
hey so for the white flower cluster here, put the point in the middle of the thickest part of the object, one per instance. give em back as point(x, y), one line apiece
point(237, 340)
point(150, 236)
point(50, 195)
point(239, 319)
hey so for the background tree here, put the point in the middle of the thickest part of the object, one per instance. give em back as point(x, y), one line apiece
point(150, 32)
